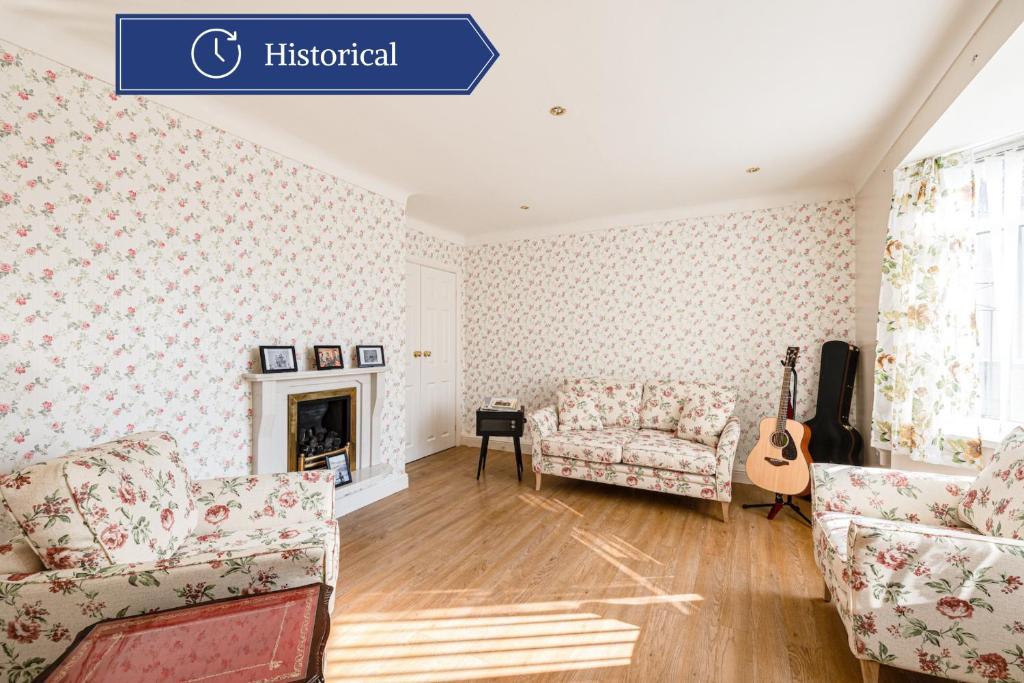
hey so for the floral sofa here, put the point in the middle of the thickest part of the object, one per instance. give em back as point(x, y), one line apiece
point(926, 570)
point(664, 435)
point(120, 529)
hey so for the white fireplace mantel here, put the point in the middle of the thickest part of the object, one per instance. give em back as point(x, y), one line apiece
point(373, 478)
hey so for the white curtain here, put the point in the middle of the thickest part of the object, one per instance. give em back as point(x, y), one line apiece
point(926, 371)
point(1000, 229)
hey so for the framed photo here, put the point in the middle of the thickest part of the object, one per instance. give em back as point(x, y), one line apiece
point(339, 465)
point(370, 356)
point(328, 357)
point(278, 359)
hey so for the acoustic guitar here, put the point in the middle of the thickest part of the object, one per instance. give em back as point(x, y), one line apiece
point(780, 460)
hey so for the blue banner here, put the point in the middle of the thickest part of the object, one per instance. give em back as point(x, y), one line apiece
point(309, 54)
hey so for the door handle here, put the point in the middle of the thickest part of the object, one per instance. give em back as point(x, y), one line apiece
point(427, 354)
point(417, 354)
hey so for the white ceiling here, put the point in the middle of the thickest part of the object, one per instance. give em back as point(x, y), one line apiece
point(668, 102)
point(989, 109)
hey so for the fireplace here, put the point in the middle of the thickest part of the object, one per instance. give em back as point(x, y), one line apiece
point(276, 398)
point(322, 424)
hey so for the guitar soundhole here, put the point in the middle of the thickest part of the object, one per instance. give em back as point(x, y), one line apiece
point(780, 439)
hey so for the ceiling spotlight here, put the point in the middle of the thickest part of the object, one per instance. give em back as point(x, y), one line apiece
point(753, 169)
point(556, 110)
point(524, 207)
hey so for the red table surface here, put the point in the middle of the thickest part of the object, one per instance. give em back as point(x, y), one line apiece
point(259, 638)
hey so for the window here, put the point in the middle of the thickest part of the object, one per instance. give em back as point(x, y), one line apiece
point(999, 281)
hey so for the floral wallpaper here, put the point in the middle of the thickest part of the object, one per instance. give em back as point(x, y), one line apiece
point(419, 244)
point(143, 258)
point(715, 299)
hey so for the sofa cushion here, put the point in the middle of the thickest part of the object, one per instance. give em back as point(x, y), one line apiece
point(706, 409)
point(994, 503)
point(618, 401)
point(603, 445)
point(662, 403)
point(576, 412)
point(118, 502)
point(664, 451)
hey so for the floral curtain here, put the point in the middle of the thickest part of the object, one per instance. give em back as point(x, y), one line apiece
point(926, 384)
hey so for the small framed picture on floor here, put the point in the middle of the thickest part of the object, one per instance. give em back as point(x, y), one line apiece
point(278, 359)
point(328, 357)
point(370, 356)
point(339, 465)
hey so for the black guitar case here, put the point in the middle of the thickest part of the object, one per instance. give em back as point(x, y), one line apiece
point(832, 437)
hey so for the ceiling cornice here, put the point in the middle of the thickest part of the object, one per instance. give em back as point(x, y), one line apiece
point(804, 196)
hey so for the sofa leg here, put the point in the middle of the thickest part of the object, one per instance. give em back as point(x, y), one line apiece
point(725, 512)
point(536, 487)
point(826, 594)
point(869, 671)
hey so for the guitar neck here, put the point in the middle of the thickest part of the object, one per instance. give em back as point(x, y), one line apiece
point(780, 422)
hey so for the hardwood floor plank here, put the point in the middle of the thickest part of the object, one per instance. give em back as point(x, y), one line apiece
point(456, 579)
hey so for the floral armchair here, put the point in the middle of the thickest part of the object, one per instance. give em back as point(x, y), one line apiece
point(915, 586)
point(120, 529)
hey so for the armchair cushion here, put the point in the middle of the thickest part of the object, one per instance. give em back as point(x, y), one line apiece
point(662, 404)
point(576, 412)
point(994, 503)
point(618, 401)
point(663, 451)
point(113, 503)
point(706, 408)
point(595, 446)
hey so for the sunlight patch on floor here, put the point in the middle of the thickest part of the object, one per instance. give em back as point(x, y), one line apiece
point(416, 647)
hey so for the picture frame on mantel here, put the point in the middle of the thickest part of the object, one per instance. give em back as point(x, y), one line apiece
point(370, 356)
point(328, 358)
point(278, 359)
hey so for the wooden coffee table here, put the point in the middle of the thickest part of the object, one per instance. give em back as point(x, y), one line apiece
point(278, 636)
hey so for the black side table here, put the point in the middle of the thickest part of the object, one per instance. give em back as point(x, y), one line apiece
point(500, 423)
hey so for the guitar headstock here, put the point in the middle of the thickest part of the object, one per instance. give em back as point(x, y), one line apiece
point(791, 353)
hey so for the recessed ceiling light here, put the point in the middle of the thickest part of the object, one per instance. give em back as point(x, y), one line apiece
point(556, 110)
point(524, 207)
point(753, 169)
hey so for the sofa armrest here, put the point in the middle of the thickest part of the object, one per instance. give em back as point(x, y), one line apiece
point(944, 598)
point(266, 500)
point(916, 497)
point(725, 453)
point(541, 422)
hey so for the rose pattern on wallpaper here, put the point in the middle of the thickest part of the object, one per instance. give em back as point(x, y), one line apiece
point(145, 255)
point(419, 244)
point(715, 299)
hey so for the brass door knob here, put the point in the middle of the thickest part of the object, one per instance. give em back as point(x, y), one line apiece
point(427, 354)
point(417, 354)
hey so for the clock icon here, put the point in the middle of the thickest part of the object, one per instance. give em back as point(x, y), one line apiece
point(216, 52)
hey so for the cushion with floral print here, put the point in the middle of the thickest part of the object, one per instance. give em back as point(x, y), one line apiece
point(662, 404)
point(706, 409)
point(113, 503)
point(618, 401)
point(577, 412)
point(994, 503)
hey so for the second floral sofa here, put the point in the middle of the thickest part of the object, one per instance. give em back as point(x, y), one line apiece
point(664, 435)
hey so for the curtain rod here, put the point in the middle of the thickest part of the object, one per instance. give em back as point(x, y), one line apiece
point(997, 146)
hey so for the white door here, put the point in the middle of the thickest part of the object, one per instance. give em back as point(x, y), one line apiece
point(430, 391)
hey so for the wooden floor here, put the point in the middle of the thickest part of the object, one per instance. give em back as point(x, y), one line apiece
point(456, 579)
